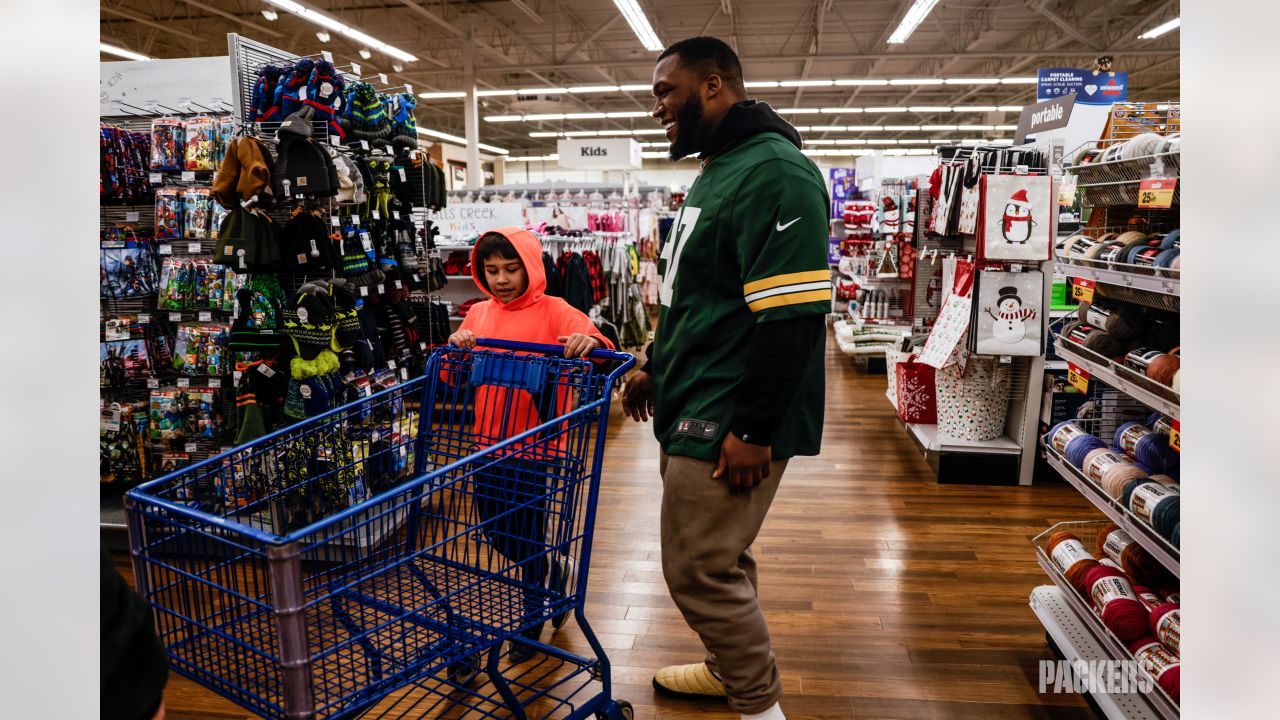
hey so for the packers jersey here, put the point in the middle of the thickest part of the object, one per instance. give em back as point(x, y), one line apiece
point(748, 246)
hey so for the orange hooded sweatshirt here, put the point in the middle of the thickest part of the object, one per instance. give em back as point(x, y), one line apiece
point(534, 317)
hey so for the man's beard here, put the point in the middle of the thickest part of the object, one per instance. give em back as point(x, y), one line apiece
point(689, 131)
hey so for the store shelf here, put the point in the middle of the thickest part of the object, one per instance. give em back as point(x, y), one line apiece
point(1141, 388)
point(1141, 532)
point(1077, 643)
point(1156, 701)
point(1168, 283)
point(928, 437)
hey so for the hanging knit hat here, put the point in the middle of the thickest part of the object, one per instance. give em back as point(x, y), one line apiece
point(404, 128)
point(347, 321)
point(292, 88)
point(324, 95)
point(247, 242)
point(368, 114)
point(308, 321)
point(302, 167)
point(264, 105)
point(307, 245)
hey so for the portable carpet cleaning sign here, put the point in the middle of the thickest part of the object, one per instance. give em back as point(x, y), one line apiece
point(1091, 88)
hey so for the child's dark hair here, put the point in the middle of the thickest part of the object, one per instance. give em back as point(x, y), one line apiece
point(491, 244)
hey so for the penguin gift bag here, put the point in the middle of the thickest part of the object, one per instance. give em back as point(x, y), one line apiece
point(1016, 217)
point(1008, 313)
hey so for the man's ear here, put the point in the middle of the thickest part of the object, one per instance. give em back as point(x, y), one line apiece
point(712, 86)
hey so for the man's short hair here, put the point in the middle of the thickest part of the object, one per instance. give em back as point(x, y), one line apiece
point(708, 56)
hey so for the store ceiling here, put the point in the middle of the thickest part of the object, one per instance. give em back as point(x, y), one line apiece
point(562, 43)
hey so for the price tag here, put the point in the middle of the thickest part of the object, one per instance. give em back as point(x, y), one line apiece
point(399, 285)
point(422, 346)
point(1015, 267)
point(335, 141)
point(1082, 290)
point(364, 144)
point(1021, 170)
point(215, 382)
point(391, 364)
point(206, 315)
point(403, 178)
point(1175, 436)
point(381, 288)
point(175, 317)
point(376, 215)
point(364, 291)
point(156, 178)
point(265, 370)
point(390, 150)
point(328, 56)
point(1156, 193)
point(166, 249)
point(355, 69)
point(194, 248)
point(188, 175)
point(333, 220)
point(382, 78)
point(355, 219)
point(1078, 378)
point(395, 214)
point(417, 278)
point(184, 382)
point(192, 447)
point(404, 373)
point(153, 382)
point(235, 376)
point(132, 216)
point(143, 318)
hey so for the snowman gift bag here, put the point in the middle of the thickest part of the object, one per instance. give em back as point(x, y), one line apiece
point(1009, 313)
point(1016, 217)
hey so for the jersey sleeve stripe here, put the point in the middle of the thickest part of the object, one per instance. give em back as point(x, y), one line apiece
point(797, 298)
point(787, 279)
point(785, 289)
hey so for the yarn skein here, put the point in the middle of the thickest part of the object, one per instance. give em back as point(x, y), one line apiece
point(1122, 612)
point(1133, 558)
point(1160, 664)
point(1118, 321)
point(1115, 479)
point(1163, 367)
point(1166, 625)
point(1148, 597)
point(1070, 556)
point(1155, 505)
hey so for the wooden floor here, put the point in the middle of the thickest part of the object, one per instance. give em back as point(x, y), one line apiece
point(888, 595)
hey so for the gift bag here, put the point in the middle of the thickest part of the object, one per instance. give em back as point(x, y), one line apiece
point(1015, 219)
point(972, 399)
point(969, 195)
point(916, 395)
point(953, 320)
point(1009, 313)
point(891, 359)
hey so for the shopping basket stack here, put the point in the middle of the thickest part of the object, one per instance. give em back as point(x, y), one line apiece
point(374, 561)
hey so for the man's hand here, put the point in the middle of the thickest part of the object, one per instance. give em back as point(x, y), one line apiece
point(745, 464)
point(463, 338)
point(578, 345)
point(637, 397)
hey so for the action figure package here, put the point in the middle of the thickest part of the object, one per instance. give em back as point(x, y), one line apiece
point(216, 214)
point(167, 422)
point(201, 275)
point(123, 360)
point(126, 270)
point(196, 213)
point(200, 349)
point(200, 141)
point(167, 146)
point(169, 213)
point(204, 413)
point(122, 456)
point(122, 327)
point(224, 131)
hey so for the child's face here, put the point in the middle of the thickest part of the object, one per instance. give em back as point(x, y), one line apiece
point(506, 278)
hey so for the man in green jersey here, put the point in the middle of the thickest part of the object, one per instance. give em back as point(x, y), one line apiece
point(734, 380)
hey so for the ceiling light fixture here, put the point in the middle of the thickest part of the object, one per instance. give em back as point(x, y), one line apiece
point(763, 84)
point(1159, 30)
point(972, 81)
point(459, 140)
point(639, 24)
point(326, 21)
point(917, 81)
point(121, 52)
point(270, 15)
point(916, 14)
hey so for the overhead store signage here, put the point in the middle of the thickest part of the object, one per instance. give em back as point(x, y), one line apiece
point(467, 220)
point(1091, 88)
point(600, 154)
point(1045, 115)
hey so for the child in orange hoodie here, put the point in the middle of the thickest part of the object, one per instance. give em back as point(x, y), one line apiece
point(511, 496)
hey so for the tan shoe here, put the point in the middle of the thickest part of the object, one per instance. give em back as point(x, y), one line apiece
point(689, 681)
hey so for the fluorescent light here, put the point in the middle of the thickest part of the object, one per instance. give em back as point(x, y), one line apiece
point(886, 110)
point(585, 116)
point(827, 128)
point(939, 128)
point(441, 95)
point(1159, 30)
point(628, 114)
point(915, 15)
point(930, 108)
point(582, 133)
point(323, 36)
point(973, 81)
point(539, 117)
point(334, 24)
point(635, 87)
point(492, 93)
point(544, 134)
point(542, 91)
point(900, 128)
point(653, 154)
point(844, 141)
point(454, 138)
point(806, 83)
point(976, 127)
point(652, 131)
point(761, 84)
point(594, 88)
point(270, 15)
point(864, 128)
point(533, 158)
point(639, 24)
point(365, 54)
point(1019, 81)
point(973, 108)
point(655, 144)
point(861, 82)
point(503, 118)
point(1006, 127)
point(121, 52)
point(882, 142)
point(841, 110)
point(916, 81)
point(798, 111)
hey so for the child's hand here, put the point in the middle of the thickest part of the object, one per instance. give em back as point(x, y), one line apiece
point(578, 345)
point(464, 339)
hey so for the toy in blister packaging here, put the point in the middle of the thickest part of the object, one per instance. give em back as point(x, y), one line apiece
point(224, 130)
point(196, 213)
point(199, 139)
point(120, 361)
point(126, 269)
point(231, 282)
point(200, 349)
point(167, 146)
point(200, 276)
point(216, 214)
point(122, 456)
point(168, 213)
point(203, 413)
point(167, 421)
point(170, 296)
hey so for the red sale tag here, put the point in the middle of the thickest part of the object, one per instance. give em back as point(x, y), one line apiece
point(1079, 379)
point(1082, 290)
point(1156, 193)
point(1175, 436)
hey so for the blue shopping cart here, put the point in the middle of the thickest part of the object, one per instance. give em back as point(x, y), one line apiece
point(375, 560)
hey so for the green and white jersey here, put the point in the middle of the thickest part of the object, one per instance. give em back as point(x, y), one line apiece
point(748, 246)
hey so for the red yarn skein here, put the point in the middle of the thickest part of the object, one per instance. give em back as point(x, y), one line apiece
point(1160, 664)
point(1122, 612)
point(1166, 624)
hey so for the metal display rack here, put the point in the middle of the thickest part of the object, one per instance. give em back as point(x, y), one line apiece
point(1156, 701)
point(1140, 387)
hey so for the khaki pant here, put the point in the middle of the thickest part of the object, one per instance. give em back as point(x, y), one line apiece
point(707, 533)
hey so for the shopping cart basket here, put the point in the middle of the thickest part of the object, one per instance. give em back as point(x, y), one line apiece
point(373, 561)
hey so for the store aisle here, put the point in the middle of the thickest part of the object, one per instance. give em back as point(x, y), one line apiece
point(889, 596)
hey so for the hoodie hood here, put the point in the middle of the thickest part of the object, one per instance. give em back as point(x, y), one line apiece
point(744, 120)
point(529, 248)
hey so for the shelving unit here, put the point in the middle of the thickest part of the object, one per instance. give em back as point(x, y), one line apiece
point(1103, 369)
point(1168, 283)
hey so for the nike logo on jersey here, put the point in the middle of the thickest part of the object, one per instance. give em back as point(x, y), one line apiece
point(780, 227)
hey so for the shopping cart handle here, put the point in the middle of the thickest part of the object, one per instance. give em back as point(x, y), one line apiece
point(556, 350)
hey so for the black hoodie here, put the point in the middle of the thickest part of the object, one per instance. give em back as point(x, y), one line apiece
point(742, 121)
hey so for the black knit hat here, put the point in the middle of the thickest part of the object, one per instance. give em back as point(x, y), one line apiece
point(308, 321)
point(307, 245)
point(302, 167)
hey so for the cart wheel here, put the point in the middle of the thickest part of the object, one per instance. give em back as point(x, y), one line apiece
point(620, 710)
point(464, 672)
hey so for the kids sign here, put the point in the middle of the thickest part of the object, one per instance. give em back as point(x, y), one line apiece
point(1091, 88)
